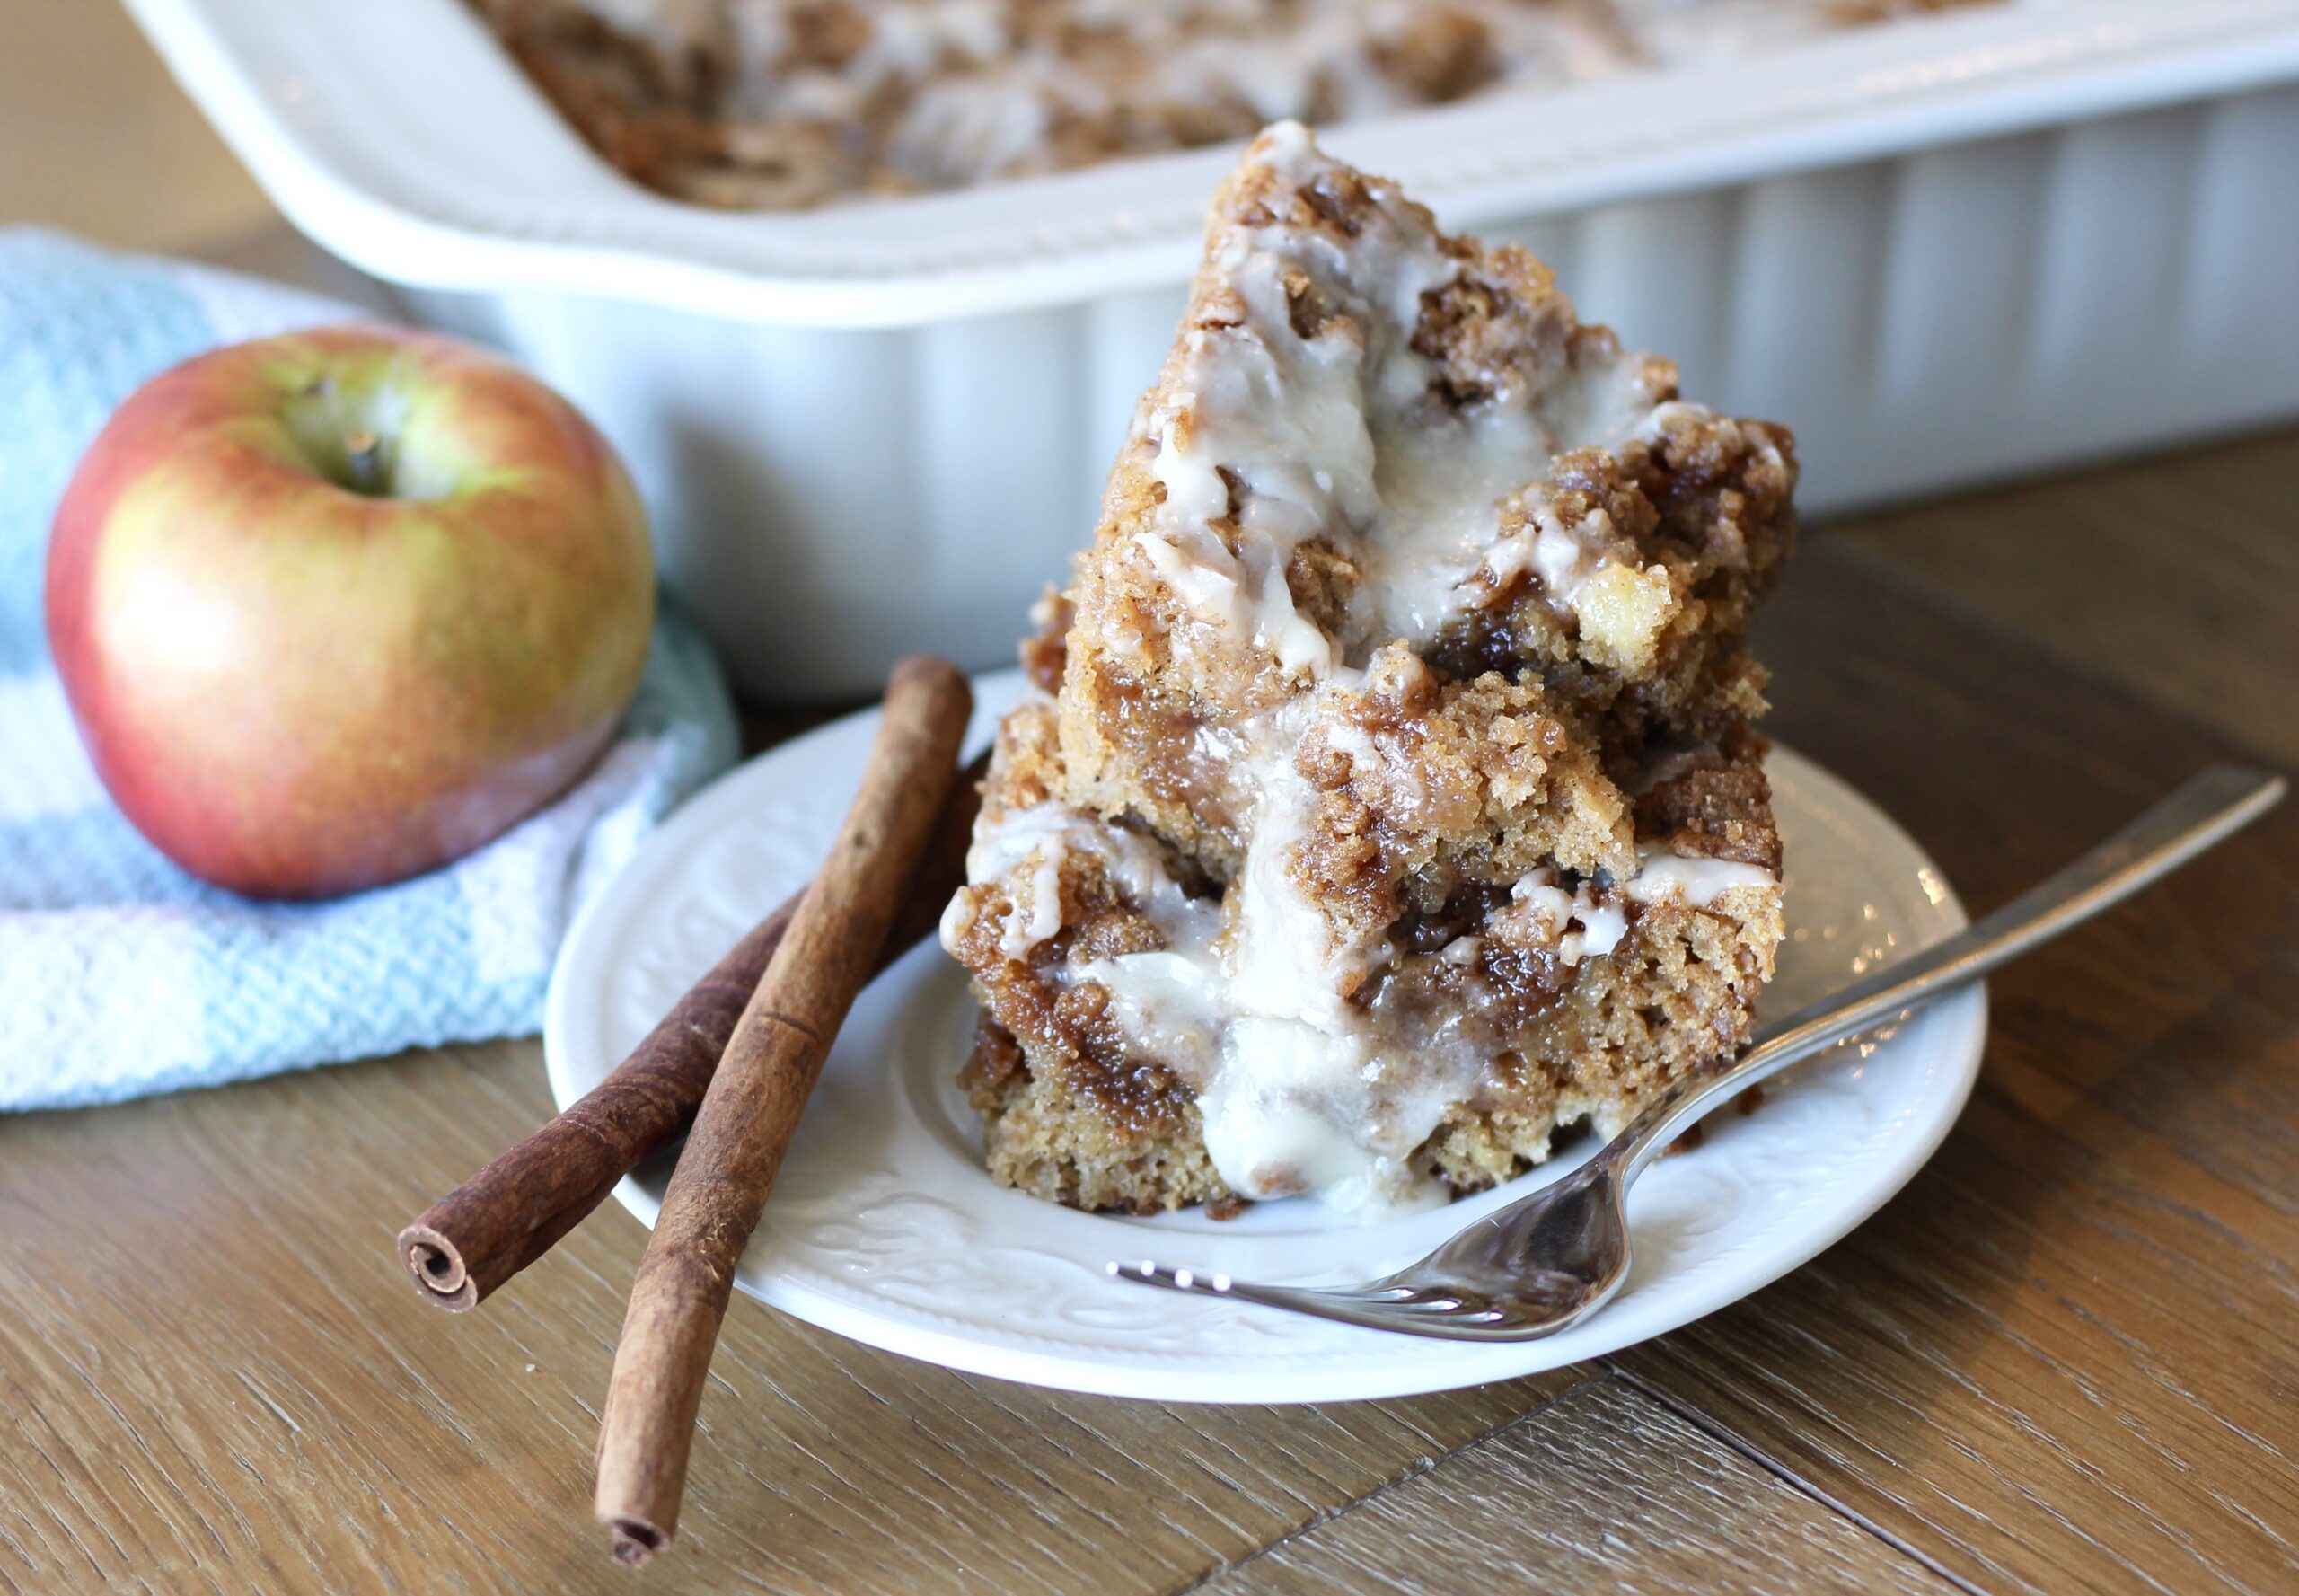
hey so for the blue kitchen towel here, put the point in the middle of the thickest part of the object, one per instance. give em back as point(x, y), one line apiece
point(121, 975)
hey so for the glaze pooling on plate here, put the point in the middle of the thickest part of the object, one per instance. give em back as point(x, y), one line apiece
point(885, 1227)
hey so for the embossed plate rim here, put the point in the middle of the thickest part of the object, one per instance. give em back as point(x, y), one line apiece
point(885, 1230)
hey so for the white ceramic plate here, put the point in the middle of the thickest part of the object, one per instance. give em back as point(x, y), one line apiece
point(884, 1228)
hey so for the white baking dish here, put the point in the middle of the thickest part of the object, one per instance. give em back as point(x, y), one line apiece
point(1942, 252)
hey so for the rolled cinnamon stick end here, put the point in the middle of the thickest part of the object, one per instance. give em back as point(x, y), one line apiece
point(743, 1126)
point(469, 1243)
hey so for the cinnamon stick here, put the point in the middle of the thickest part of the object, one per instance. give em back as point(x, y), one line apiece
point(743, 1127)
point(463, 1247)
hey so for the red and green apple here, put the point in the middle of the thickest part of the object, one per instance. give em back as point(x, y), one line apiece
point(336, 607)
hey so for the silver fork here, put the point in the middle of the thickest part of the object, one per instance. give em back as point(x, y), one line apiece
point(1550, 1260)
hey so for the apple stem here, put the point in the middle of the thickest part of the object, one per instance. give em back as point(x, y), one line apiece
point(364, 451)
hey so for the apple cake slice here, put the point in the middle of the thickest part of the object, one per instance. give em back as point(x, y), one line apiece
point(1388, 795)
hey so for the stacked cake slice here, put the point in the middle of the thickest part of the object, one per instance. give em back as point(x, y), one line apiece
point(1388, 797)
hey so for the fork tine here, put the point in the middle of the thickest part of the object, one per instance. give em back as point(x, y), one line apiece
point(1373, 1309)
point(1148, 1272)
point(1374, 1306)
point(1210, 1283)
point(1351, 1309)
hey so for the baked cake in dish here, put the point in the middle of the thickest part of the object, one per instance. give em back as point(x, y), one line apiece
point(1387, 796)
point(784, 104)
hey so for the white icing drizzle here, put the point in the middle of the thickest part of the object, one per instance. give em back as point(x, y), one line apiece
point(1041, 837)
point(1576, 924)
point(1339, 436)
point(1602, 927)
point(1561, 557)
point(1294, 1086)
point(1663, 876)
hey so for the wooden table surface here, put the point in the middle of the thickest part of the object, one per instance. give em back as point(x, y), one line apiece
point(2066, 1357)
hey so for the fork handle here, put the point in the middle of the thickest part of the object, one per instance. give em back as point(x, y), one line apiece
point(2200, 813)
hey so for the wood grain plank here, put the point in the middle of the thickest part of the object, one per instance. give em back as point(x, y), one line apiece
point(213, 1377)
point(2066, 1356)
point(2171, 576)
point(1602, 1489)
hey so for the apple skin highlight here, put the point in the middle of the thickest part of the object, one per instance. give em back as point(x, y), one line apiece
point(334, 608)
